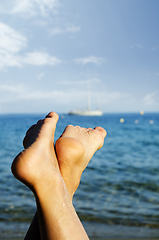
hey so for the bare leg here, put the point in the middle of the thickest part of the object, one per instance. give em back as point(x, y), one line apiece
point(74, 144)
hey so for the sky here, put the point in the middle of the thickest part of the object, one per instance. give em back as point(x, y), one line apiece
point(53, 51)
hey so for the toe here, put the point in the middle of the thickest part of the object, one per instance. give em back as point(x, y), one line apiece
point(49, 125)
point(52, 115)
point(101, 130)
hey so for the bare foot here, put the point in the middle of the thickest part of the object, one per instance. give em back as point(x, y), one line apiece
point(38, 168)
point(38, 163)
point(74, 149)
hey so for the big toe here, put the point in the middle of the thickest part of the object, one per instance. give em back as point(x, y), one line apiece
point(49, 125)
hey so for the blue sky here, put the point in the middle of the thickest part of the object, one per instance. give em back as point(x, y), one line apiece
point(52, 50)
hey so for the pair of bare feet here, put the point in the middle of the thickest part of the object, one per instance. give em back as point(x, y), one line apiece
point(45, 168)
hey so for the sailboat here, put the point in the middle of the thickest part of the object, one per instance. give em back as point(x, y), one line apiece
point(87, 112)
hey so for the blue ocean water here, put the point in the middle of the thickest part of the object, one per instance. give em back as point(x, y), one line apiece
point(119, 191)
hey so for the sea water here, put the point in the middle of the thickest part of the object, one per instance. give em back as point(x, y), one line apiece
point(118, 196)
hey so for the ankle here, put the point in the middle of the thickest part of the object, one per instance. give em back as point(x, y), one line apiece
point(51, 186)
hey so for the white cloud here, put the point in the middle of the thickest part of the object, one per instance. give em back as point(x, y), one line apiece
point(34, 58)
point(29, 8)
point(23, 92)
point(39, 59)
point(8, 60)
point(38, 100)
point(23, 7)
point(91, 59)
point(10, 40)
point(11, 88)
point(59, 30)
point(149, 99)
point(47, 5)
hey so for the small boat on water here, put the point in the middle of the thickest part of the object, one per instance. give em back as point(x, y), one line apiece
point(86, 113)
